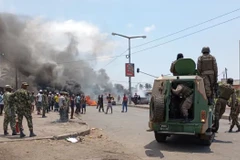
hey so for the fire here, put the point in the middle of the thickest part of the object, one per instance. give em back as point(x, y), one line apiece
point(90, 102)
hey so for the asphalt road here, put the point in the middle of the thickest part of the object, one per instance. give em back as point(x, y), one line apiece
point(130, 130)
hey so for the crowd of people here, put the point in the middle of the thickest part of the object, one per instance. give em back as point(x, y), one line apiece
point(23, 103)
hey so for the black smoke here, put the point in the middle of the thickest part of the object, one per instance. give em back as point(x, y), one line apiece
point(41, 64)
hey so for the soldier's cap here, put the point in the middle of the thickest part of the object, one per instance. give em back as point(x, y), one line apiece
point(25, 83)
point(8, 87)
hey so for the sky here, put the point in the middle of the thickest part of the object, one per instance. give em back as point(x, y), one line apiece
point(152, 18)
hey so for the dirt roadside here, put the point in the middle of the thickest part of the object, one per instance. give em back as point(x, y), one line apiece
point(95, 146)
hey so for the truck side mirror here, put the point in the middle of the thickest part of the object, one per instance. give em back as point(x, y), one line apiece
point(138, 70)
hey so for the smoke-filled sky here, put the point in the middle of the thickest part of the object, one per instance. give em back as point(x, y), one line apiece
point(43, 50)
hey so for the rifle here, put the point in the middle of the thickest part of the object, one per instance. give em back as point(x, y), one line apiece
point(216, 90)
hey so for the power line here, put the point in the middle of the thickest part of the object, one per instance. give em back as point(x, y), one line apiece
point(187, 35)
point(163, 37)
point(220, 16)
point(115, 58)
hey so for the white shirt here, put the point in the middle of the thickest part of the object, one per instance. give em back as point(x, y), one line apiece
point(39, 97)
point(61, 101)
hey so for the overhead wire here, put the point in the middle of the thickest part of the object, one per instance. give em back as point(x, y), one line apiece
point(196, 25)
point(184, 36)
point(163, 37)
point(115, 58)
point(187, 35)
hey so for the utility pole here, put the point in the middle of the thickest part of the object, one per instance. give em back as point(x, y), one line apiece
point(226, 73)
point(129, 59)
point(16, 78)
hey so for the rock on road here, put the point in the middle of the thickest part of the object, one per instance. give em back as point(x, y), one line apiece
point(129, 129)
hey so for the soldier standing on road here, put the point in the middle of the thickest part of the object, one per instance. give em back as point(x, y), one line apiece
point(187, 93)
point(23, 105)
point(101, 104)
point(44, 103)
point(9, 116)
point(235, 110)
point(226, 90)
point(208, 70)
point(172, 68)
point(109, 103)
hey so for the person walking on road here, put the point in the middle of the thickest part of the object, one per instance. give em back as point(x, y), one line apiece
point(83, 103)
point(235, 110)
point(101, 104)
point(109, 103)
point(124, 103)
point(226, 91)
point(72, 105)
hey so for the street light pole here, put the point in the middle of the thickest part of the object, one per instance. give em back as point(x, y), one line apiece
point(129, 59)
point(129, 78)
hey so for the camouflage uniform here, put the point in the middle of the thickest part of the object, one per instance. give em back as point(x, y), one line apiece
point(172, 68)
point(44, 103)
point(226, 90)
point(23, 106)
point(9, 116)
point(235, 109)
point(208, 70)
point(186, 93)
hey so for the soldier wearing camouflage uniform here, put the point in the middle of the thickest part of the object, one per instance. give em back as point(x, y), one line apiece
point(208, 70)
point(187, 93)
point(9, 116)
point(172, 68)
point(44, 103)
point(226, 90)
point(23, 105)
point(235, 109)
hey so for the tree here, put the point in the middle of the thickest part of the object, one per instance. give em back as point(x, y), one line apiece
point(141, 86)
point(148, 86)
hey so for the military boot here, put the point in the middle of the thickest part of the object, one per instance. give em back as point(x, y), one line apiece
point(21, 133)
point(6, 133)
point(14, 132)
point(238, 130)
point(32, 134)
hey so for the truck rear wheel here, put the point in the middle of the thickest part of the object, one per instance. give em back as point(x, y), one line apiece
point(157, 108)
point(208, 141)
point(160, 137)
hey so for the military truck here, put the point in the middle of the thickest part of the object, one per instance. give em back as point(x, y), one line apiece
point(165, 117)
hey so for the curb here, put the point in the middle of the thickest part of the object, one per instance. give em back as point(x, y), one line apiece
point(58, 137)
point(63, 136)
point(225, 117)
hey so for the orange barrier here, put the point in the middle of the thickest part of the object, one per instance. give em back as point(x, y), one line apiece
point(90, 102)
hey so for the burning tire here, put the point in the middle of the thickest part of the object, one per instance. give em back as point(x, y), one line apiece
point(157, 108)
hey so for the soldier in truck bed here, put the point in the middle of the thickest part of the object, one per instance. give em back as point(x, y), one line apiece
point(172, 68)
point(187, 93)
point(208, 70)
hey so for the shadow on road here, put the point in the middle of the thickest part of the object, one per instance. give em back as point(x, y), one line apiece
point(188, 144)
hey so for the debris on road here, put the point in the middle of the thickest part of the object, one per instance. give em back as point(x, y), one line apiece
point(73, 140)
